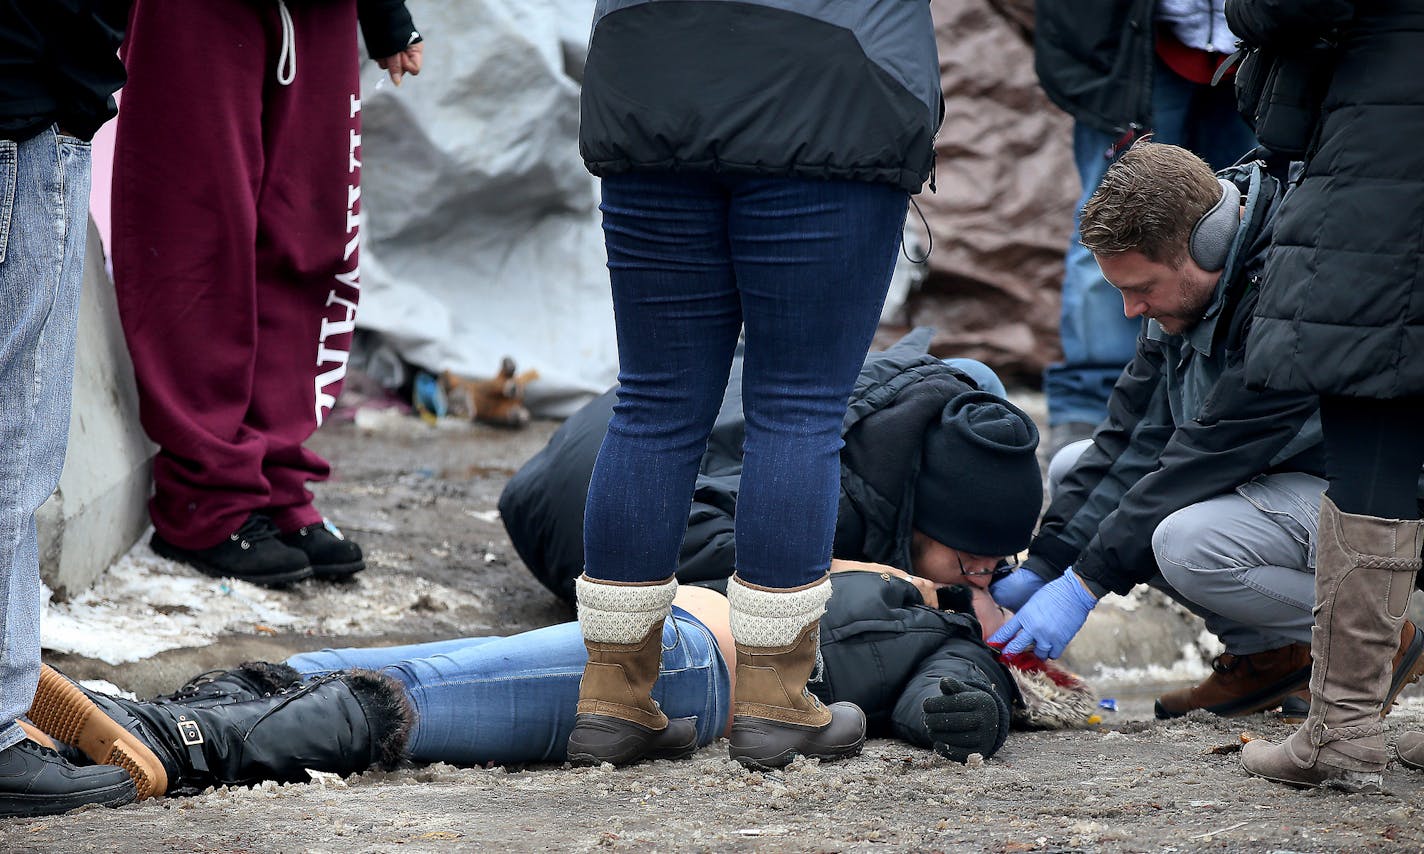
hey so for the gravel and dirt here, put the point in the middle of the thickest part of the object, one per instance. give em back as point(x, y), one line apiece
point(421, 501)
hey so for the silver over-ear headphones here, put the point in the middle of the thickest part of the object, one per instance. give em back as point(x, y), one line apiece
point(1212, 236)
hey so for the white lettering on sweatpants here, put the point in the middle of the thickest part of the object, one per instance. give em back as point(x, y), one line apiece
point(350, 278)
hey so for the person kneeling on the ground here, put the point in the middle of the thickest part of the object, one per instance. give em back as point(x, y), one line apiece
point(920, 673)
point(1194, 484)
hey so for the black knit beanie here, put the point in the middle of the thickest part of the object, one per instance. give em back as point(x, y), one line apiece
point(979, 489)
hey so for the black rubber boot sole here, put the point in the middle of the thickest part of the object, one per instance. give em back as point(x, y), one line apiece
point(263, 579)
point(20, 805)
point(766, 745)
point(337, 571)
point(602, 738)
point(1264, 698)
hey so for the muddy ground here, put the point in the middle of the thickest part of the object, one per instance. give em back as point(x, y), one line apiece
point(421, 500)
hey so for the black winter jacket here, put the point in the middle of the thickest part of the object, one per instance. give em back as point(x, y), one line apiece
point(1342, 305)
point(807, 88)
point(1182, 426)
point(59, 64)
point(1094, 59)
point(885, 650)
point(900, 392)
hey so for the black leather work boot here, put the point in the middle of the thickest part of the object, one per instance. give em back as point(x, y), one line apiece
point(35, 780)
point(252, 553)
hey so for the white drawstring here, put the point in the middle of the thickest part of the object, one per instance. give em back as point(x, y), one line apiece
point(287, 59)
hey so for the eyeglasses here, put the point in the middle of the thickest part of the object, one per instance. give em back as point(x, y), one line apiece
point(999, 569)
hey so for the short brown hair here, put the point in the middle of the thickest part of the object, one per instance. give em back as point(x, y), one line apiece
point(1148, 202)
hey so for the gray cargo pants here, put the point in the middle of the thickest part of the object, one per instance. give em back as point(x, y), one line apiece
point(1243, 561)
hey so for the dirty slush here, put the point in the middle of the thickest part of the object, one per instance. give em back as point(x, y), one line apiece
point(421, 502)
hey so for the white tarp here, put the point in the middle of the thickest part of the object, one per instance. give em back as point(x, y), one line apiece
point(481, 223)
point(482, 230)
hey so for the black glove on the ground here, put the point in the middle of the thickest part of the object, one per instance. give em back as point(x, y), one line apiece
point(962, 720)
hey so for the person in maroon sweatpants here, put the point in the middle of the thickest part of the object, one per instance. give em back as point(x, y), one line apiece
point(236, 201)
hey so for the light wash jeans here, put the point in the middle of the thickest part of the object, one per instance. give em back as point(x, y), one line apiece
point(512, 699)
point(1244, 561)
point(44, 209)
point(1098, 339)
point(982, 374)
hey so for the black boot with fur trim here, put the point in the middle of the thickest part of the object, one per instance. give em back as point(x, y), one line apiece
point(249, 680)
point(343, 723)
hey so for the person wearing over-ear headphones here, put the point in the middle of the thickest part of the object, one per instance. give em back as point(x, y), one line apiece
point(1194, 484)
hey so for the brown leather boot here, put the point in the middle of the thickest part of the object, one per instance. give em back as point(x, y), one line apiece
point(775, 717)
point(1408, 666)
point(1410, 749)
point(1242, 684)
point(1364, 573)
point(618, 720)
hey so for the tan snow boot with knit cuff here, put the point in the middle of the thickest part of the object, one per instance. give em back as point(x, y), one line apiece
point(1364, 573)
point(618, 719)
point(774, 716)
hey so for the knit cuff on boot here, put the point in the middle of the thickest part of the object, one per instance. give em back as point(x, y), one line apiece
point(610, 612)
point(763, 617)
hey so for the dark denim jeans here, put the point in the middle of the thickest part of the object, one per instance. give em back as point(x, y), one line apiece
point(1098, 339)
point(803, 266)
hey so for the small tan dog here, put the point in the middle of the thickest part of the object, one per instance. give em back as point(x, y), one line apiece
point(498, 401)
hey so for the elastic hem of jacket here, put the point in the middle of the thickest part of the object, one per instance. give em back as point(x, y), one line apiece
point(1050, 556)
point(909, 181)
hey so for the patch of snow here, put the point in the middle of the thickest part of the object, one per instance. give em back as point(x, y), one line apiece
point(144, 605)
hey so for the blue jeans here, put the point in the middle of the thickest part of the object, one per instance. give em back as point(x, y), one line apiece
point(1098, 339)
point(693, 258)
point(982, 374)
point(44, 214)
point(512, 699)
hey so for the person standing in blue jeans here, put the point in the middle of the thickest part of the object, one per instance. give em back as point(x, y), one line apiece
point(56, 82)
point(1124, 68)
point(757, 158)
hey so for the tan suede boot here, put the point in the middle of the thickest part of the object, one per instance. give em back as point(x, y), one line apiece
point(618, 720)
point(775, 717)
point(1364, 573)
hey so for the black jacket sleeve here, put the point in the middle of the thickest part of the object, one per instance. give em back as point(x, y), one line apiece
point(387, 27)
point(969, 662)
point(1235, 438)
point(1125, 447)
point(1286, 23)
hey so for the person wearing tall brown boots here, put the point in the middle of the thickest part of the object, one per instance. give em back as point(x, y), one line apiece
point(757, 160)
point(1340, 316)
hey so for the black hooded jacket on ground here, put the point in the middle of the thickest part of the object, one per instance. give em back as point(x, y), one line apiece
point(805, 88)
point(883, 649)
point(1342, 304)
point(1182, 426)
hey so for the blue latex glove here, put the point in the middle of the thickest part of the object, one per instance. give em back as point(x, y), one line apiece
point(1015, 589)
point(1050, 618)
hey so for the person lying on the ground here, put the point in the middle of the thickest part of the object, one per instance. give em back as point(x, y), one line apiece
point(938, 477)
point(1194, 483)
point(921, 674)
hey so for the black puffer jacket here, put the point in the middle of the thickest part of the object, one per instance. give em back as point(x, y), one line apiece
point(900, 392)
point(808, 88)
point(1094, 60)
point(1342, 306)
point(884, 650)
